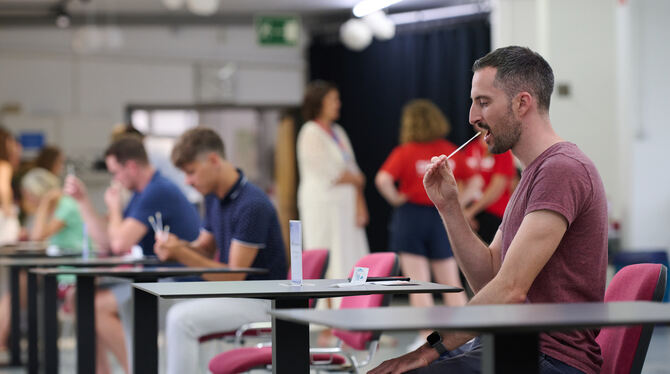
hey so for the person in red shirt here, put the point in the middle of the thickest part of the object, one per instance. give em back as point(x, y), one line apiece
point(416, 230)
point(496, 172)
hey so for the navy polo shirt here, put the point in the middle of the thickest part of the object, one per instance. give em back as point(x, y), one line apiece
point(161, 195)
point(246, 215)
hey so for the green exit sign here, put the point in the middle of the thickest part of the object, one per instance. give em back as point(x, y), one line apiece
point(277, 30)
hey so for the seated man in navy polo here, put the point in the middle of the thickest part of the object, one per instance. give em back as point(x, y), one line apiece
point(127, 160)
point(241, 229)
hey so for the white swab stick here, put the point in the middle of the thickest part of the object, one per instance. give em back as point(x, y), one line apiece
point(152, 221)
point(159, 219)
point(464, 144)
point(167, 230)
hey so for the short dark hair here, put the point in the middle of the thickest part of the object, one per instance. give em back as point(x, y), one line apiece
point(195, 142)
point(47, 157)
point(520, 69)
point(128, 148)
point(313, 99)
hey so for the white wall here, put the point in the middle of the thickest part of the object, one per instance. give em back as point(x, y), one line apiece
point(79, 97)
point(613, 58)
point(648, 97)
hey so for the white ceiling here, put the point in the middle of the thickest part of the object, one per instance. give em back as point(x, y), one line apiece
point(226, 6)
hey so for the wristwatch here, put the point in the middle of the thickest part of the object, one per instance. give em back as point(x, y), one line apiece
point(435, 340)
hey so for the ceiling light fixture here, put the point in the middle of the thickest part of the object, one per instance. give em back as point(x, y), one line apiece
point(63, 20)
point(366, 7)
point(439, 13)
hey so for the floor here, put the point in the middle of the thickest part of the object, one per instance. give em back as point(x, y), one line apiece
point(392, 345)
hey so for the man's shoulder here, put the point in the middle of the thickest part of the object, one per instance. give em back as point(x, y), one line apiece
point(566, 156)
point(253, 196)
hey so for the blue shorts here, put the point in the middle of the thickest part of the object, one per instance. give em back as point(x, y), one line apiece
point(418, 229)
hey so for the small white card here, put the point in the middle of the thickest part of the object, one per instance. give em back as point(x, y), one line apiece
point(360, 275)
point(295, 238)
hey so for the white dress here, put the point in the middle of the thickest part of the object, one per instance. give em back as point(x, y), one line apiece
point(328, 210)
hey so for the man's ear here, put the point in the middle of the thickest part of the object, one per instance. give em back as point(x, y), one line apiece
point(523, 102)
point(213, 158)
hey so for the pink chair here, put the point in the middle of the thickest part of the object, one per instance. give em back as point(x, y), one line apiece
point(381, 264)
point(625, 348)
point(314, 266)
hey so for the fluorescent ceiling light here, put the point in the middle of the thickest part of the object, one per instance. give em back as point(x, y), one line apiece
point(366, 7)
point(438, 13)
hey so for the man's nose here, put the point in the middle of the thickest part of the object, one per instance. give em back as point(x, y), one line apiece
point(474, 116)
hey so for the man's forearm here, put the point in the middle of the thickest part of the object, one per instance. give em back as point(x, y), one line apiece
point(95, 225)
point(498, 291)
point(473, 256)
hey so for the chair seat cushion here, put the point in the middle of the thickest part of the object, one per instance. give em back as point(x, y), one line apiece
point(244, 359)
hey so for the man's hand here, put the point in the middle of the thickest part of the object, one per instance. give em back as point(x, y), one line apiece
point(419, 358)
point(75, 188)
point(113, 197)
point(439, 182)
point(167, 246)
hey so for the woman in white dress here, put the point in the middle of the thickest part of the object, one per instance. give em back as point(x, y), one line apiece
point(330, 195)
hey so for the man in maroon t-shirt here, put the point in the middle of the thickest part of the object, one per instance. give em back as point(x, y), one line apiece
point(552, 244)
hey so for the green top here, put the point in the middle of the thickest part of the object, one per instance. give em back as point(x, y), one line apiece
point(70, 237)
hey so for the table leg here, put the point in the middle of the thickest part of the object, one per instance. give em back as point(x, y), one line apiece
point(50, 297)
point(145, 332)
point(510, 353)
point(33, 328)
point(290, 341)
point(86, 325)
point(15, 316)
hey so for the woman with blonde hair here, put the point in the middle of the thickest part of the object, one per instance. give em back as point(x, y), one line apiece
point(416, 230)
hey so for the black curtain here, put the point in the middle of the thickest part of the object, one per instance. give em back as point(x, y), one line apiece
point(431, 62)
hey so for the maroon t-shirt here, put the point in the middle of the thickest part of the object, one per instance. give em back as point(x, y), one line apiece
point(563, 180)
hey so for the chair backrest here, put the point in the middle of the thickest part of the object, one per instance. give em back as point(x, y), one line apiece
point(625, 348)
point(380, 264)
point(314, 266)
point(315, 263)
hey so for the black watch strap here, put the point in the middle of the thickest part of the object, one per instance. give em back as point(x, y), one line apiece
point(435, 341)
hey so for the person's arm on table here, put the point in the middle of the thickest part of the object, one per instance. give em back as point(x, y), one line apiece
point(240, 255)
point(540, 230)
point(95, 225)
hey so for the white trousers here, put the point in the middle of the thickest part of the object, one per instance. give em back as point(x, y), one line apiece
point(189, 320)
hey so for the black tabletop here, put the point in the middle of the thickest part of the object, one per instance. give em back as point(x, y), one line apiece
point(486, 318)
point(24, 249)
point(282, 289)
point(77, 261)
point(137, 271)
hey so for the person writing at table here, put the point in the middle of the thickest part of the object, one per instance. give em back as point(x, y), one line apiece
point(127, 160)
point(552, 244)
point(240, 229)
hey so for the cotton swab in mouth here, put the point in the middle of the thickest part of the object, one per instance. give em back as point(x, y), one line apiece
point(464, 144)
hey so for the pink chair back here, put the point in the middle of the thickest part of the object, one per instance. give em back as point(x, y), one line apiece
point(314, 264)
point(380, 264)
point(625, 348)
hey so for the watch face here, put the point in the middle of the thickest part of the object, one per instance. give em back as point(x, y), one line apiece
point(434, 338)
